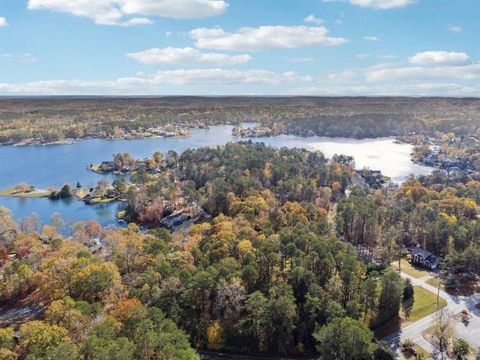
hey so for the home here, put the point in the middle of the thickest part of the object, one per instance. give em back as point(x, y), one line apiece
point(424, 258)
point(452, 162)
point(431, 159)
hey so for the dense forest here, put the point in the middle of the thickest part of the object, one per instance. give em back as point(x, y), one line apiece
point(241, 248)
point(267, 274)
point(54, 119)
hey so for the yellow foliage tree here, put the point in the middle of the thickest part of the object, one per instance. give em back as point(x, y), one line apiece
point(215, 336)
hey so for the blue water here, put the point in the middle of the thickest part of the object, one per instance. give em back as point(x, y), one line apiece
point(71, 210)
point(55, 165)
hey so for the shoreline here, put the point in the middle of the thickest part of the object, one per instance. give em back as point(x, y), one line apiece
point(72, 141)
point(37, 193)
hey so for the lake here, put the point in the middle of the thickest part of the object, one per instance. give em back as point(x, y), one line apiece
point(54, 165)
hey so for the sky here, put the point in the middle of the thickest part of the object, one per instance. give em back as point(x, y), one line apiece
point(240, 47)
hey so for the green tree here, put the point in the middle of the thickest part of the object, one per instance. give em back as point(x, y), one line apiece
point(253, 322)
point(408, 291)
point(461, 349)
point(390, 296)
point(280, 319)
point(344, 339)
point(95, 348)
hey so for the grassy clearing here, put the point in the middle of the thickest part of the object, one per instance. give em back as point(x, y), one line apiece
point(424, 303)
point(409, 269)
point(31, 194)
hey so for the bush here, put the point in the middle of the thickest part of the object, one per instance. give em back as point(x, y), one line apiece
point(408, 345)
point(64, 193)
point(408, 291)
point(461, 349)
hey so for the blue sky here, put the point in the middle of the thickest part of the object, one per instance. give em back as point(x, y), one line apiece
point(245, 47)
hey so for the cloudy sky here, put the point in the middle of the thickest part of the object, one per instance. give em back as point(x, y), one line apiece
point(244, 47)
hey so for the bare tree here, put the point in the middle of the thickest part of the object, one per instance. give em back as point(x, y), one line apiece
point(31, 223)
point(443, 331)
point(57, 221)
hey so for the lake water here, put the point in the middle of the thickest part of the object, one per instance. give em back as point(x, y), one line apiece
point(54, 165)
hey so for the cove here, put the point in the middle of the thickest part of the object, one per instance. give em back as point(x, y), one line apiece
point(54, 165)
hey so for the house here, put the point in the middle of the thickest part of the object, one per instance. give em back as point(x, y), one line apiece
point(424, 258)
point(431, 159)
point(452, 162)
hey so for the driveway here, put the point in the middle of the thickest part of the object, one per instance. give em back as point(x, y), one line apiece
point(469, 331)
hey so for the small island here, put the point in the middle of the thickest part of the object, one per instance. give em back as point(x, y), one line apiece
point(24, 190)
point(103, 192)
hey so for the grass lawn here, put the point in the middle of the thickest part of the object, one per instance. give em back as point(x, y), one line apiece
point(435, 281)
point(425, 303)
point(408, 269)
point(32, 194)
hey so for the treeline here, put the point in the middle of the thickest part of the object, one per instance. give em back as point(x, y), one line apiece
point(373, 125)
point(53, 119)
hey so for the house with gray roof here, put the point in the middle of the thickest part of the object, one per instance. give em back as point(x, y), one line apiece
point(424, 258)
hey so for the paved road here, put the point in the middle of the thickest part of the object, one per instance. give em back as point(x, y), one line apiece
point(469, 331)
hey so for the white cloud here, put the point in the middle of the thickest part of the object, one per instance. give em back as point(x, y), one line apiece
point(311, 19)
point(447, 77)
point(221, 81)
point(439, 58)
point(22, 57)
point(363, 56)
point(380, 56)
point(222, 76)
point(371, 38)
point(387, 56)
point(184, 9)
point(158, 82)
point(421, 89)
point(455, 28)
point(264, 37)
point(116, 12)
point(3, 21)
point(137, 21)
point(415, 73)
point(382, 4)
point(186, 55)
point(377, 4)
point(343, 76)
